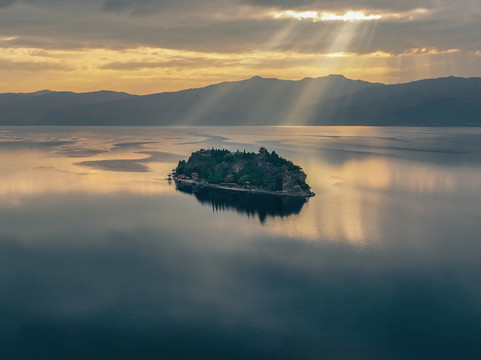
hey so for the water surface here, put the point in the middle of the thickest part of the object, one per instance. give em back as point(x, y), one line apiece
point(102, 258)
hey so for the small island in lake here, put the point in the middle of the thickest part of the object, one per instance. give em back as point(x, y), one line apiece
point(242, 171)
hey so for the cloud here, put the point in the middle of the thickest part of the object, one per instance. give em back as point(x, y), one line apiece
point(30, 66)
point(346, 4)
point(234, 26)
point(250, 28)
point(138, 7)
point(281, 3)
point(196, 62)
point(121, 4)
point(216, 26)
point(5, 3)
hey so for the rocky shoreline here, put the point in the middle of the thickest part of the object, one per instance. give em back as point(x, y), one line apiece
point(198, 185)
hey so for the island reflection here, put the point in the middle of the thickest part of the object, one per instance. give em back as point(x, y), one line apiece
point(260, 205)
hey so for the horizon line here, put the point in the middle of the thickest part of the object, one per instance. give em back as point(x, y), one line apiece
point(46, 91)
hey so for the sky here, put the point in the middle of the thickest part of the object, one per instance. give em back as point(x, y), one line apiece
point(149, 46)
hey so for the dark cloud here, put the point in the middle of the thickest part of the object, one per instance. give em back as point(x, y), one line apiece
point(122, 4)
point(234, 26)
point(137, 7)
point(280, 3)
point(149, 7)
point(346, 4)
point(5, 3)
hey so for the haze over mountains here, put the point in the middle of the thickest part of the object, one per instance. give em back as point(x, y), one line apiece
point(331, 100)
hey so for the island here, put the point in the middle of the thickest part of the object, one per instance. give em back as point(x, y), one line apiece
point(263, 172)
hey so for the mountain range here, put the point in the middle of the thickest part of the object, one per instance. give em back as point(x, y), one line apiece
point(330, 100)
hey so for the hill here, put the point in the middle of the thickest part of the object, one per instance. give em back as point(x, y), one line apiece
point(330, 100)
point(448, 101)
point(256, 101)
point(34, 108)
point(245, 171)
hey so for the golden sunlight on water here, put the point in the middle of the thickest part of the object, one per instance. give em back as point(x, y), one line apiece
point(356, 173)
point(24, 178)
point(352, 196)
point(338, 216)
point(382, 174)
point(36, 165)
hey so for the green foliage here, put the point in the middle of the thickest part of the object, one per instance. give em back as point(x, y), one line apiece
point(278, 182)
point(229, 157)
point(281, 162)
point(244, 178)
point(216, 178)
point(180, 167)
point(264, 170)
point(303, 185)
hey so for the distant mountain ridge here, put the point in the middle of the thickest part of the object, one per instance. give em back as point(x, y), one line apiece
point(33, 108)
point(330, 100)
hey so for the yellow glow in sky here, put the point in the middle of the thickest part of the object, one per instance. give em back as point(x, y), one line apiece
point(314, 15)
point(148, 70)
point(349, 16)
point(144, 47)
point(324, 16)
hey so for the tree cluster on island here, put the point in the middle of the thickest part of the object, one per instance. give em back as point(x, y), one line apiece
point(263, 170)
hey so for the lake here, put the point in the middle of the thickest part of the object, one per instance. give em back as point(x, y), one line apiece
point(102, 258)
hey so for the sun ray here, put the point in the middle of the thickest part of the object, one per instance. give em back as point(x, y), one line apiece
point(299, 112)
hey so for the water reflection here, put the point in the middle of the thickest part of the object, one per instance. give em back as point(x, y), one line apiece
point(259, 205)
point(102, 261)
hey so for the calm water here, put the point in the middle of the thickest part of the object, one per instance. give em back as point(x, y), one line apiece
point(101, 258)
